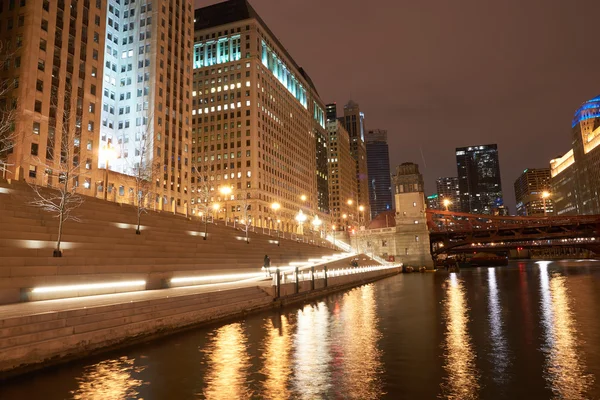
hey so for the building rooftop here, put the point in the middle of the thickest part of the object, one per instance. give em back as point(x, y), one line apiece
point(588, 110)
point(231, 11)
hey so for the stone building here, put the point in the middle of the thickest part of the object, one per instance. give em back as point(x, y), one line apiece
point(401, 235)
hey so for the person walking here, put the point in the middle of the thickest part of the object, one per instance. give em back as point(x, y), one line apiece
point(267, 264)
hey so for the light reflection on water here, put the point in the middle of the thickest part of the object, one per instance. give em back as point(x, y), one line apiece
point(565, 368)
point(461, 382)
point(500, 357)
point(228, 362)
point(276, 357)
point(109, 380)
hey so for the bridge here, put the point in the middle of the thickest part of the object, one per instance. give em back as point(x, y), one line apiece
point(455, 231)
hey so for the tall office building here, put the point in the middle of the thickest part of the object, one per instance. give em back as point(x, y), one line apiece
point(479, 179)
point(331, 112)
point(257, 122)
point(447, 189)
point(101, 75)
point(146, 97)
point(379, 177)
point(342, 176)
point(52, 61)
point(433, 202)
point(576, 175)
point(530, 188)
point(354, 122)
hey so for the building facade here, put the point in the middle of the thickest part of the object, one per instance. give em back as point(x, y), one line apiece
point(433, 202)
point(533, 193)
point(52, 62)
point(447, 189)
point(406, 239)
point(378, 166)
point(479, 179)
point(576, 175)
point(564, 185)
point(257, 123)
point(106, 75)
point(342, 176)
point(146, 98)
point(354, 122)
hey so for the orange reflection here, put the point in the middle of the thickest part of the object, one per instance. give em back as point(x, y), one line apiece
point(228, 362)
point(361, 357)
point(462, 380)
point(564, 364)
point(499, 345)
point(276, 357)
point(109, 380)
point(312, 352)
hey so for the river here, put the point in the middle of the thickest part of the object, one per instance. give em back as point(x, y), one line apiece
point(526, 331)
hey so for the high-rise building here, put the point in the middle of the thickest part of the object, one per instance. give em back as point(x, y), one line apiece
point(479, 179)
point(257, 122)
point(433, 202)
point(447, 189)
point(576, 175)
point(342, 176)
point(532, 193)
point(52, 61)
point(331, 111)
point(354, 122)
point(564, 185)
point(379, 177)
point(146, 96)
point(98, 75)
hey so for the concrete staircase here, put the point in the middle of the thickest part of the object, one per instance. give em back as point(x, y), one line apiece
point(103, 247)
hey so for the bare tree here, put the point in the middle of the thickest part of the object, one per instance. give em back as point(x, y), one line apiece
point(145, 171)
point(61, 199)
point(204, 191)
point(8, 111)
point(245, 208)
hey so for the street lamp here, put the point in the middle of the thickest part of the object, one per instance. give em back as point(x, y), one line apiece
point(275, 207)
point(216, 207)
point(301, 217)
point(545, 195)
point(108, 154)
point(344, 216)
point(361, 208)
point(225, 191)
point(447, 203)
point(316, 222)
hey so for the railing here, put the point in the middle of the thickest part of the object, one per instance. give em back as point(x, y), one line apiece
point(307, 274)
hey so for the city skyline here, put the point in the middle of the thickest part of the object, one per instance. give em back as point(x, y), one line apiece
point(451, 92)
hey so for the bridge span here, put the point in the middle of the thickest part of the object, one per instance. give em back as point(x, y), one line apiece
point(455, 231)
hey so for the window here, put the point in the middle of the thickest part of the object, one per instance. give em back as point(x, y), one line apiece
point(36, 128)
point(416, 238)
point(39, 85)
point(38, 106)
point(43, 44)
point(45, 25)
point(32, 171)
point(34, 149)
point(41, 65)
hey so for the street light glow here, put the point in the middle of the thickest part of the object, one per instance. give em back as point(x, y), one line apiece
point(447, 202)
point(303, 197)
point(216, 206)
point(361, 208)
point(275, 206)
point(300, 217)
point(349, 202)
point(316, 221)
point(225, 190)
point(545, 194)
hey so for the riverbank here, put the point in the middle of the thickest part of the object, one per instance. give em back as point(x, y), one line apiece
point(39, 334)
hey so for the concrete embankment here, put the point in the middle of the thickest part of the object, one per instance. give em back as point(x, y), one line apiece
point(35, 340)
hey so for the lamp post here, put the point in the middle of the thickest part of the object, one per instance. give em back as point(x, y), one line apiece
point(316, 222)
point(108, 154)
point(275, 207)
point(333, 234)
point(301, 217)
point(446, 204)
point(215, 207)
point(361, 215)
point(225, 191)
point(344, 217)
point(545, 195)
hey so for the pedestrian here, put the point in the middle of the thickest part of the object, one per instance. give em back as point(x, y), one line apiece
point(267, 264)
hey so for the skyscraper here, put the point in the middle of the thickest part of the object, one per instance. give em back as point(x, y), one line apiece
point(146, 102)
point(342, 175)
point(354, 122)
point(257, 122)
point(107, 75)
point(479, 179)
point(447, 189)
point(331, 111)
point(533, 192)
point(378, 166)
point(52, 58)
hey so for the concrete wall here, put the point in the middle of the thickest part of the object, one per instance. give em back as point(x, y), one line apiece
point(35, 341)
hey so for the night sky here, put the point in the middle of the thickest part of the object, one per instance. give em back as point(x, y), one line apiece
point(444, 74)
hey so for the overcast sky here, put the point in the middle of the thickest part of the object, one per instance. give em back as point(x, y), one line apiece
point(442, 74)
